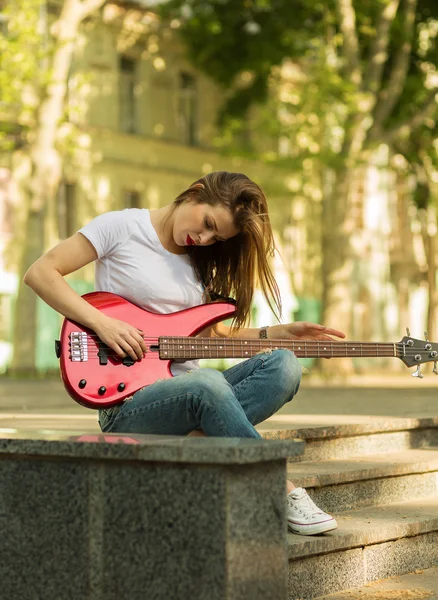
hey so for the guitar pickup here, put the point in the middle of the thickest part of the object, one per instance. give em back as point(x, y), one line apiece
point(103, 354)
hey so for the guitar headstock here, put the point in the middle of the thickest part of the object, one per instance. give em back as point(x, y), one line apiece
point(415, 352)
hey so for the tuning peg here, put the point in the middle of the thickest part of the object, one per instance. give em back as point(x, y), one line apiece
point(417, 373)
point(435, 370)
point(408, 333)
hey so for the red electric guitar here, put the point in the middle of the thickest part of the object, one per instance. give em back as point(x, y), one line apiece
point(96, 377)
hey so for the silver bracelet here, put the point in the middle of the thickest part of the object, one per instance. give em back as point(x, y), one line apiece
point(263, 335)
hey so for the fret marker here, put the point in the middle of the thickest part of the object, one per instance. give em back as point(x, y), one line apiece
point(245, 342)
point(193, 347)
point(206, 347)
point(220, 347)
point(299, 348)
point(325, 348)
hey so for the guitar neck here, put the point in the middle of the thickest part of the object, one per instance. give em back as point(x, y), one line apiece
point(198, 347)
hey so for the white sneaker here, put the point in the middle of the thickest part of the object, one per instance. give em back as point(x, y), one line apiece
point(304, 517)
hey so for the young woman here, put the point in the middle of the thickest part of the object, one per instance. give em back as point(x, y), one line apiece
point(214, 239)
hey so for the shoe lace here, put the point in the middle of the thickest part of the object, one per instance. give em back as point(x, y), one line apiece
point(304, 505)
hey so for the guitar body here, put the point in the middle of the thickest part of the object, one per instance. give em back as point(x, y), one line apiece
point(103, 381)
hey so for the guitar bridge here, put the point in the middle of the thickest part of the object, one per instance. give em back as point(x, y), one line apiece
point(78, 346)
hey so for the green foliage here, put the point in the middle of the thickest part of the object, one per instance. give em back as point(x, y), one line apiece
point(24, 51)
point(226, 38)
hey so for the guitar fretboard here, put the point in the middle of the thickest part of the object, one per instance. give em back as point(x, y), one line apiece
point(198, 347)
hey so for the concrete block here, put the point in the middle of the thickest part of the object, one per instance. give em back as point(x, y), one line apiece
point(133, 519)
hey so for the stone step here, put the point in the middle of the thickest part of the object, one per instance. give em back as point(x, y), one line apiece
point(421, 584)
point(345, 436)
point(370, 544)
point(340, 485)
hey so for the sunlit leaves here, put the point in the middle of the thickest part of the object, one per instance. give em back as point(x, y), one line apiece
point(24, 50)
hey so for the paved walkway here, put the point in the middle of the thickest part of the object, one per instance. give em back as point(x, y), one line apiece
point(45, 404)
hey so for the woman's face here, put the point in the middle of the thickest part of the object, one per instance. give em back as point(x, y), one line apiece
point(202, 224)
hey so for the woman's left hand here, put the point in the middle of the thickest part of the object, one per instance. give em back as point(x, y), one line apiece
point(303, 330)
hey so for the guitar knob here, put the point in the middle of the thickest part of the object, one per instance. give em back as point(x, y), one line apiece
point(82, 383)
point(101, 390)
point(121, 387)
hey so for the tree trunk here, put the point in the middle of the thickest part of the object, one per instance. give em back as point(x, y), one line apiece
point(337, 264)
point(429, 235)
point(404, 270)
point(26, 307)
point(46, 172)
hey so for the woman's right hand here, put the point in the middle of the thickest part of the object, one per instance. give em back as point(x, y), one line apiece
point(121, 337)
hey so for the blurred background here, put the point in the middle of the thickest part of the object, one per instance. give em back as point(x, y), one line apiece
point(330, 107)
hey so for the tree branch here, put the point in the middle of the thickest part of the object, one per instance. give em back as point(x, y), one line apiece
point(389, 96)
point(379, 49)
point(347, 21)
point(411, 125)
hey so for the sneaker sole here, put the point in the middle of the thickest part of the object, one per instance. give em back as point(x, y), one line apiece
point(312, 529)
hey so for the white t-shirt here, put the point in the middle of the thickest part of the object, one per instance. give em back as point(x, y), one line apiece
point(133, 263)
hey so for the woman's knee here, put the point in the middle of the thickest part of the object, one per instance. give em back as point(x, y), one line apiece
point(286, 372)
point(209, 390)
point(208, 383)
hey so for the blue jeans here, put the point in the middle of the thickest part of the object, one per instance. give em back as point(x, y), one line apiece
point(222, 404)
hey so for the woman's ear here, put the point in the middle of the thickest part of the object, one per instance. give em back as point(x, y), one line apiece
point(197, 186)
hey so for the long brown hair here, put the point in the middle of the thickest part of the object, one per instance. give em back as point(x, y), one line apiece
point(234, 267)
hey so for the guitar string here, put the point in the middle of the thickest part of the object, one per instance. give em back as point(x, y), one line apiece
point(237, 341)
point(309, 346)
point(185, 339)
point(256, 347)
point(254, 351)
point(197, 343)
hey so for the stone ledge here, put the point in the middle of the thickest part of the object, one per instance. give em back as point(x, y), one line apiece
point(148, 448)
point(369, 526)
point(79, 523)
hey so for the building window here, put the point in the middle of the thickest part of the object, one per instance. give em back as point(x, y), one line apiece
point(66, 209)
point(127, 74)
point(187, 109)
point(131, 199)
